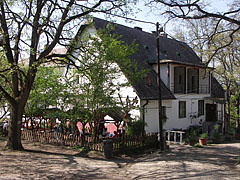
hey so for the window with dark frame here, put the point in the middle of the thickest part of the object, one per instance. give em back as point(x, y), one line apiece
point(200, 107)
point(182, 109)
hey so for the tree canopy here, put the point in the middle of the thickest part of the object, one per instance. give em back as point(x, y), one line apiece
point(199, 10)
point(226, 61)
point(30, 30)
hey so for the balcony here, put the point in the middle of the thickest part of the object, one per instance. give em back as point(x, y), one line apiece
point(183, 89)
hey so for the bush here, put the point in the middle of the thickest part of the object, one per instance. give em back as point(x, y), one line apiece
point(198, 145)
point(191, 137)
point(204, 135)
point(135, 128)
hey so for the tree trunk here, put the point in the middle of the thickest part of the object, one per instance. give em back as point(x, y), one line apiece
point(228, 110)
point(14, 128)
point(238, 115)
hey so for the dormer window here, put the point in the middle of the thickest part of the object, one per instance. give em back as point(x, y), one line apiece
point(145, 47)
point(178, 54)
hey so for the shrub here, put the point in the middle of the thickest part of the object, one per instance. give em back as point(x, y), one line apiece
point(191, 137)
point(204, 135)
point(135, 128)
point(198, 145)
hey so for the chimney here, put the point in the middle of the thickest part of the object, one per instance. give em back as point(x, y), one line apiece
point(138, 28)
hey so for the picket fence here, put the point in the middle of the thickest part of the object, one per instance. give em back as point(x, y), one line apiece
point(119, 144)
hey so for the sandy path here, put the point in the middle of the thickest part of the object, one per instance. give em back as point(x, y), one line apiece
point(182, 162)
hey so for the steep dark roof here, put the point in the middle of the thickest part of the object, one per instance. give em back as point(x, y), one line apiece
point(146, 52)
point(170, 49)
point(217, 90)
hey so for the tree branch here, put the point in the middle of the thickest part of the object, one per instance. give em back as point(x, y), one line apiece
point(205, 14)
point(7, 96)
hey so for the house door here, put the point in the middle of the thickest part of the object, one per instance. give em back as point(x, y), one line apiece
point(211, 112)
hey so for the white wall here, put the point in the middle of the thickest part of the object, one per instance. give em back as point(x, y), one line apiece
point(173, 121)
point(164, 73)
point(127, 91)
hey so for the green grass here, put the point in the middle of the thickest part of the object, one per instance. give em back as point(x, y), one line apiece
point(77, 148)
point(238, 160)
point(197, 145)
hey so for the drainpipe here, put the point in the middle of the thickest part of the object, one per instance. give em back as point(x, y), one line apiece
point(144, 116)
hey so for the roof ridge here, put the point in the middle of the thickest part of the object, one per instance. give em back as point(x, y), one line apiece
point(114, 23)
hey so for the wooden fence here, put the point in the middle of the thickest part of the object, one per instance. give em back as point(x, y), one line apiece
point(119, 144)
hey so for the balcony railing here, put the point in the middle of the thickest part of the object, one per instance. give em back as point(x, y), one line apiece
point(182, 89)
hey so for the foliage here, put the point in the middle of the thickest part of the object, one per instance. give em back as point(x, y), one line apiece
point(88, 95)
point(191, 137)
point(216, 134)
point(198, 145)
point(238, 160)
point(98, 86)
point(30, 30)
point(207, 39)
point(100, 81)
point(197, 11)
point(204, 135)
point(47, 90)
point(135, 128)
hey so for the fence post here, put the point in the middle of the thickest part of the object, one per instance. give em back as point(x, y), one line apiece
point(175, 137)
point(181, 134)
point(169, 134)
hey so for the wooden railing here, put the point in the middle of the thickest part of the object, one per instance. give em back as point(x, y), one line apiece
point(174, 137)
point(119, 144)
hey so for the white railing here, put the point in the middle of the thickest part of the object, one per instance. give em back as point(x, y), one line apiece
point(174, 137)
point(183, 89)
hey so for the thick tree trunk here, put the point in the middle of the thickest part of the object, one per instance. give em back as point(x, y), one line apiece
point(228, 110)
point(238, 115)
point(14, 129)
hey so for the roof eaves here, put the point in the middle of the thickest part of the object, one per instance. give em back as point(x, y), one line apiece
point(164, 61)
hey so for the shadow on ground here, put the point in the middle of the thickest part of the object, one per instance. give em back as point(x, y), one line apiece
point(41, 161)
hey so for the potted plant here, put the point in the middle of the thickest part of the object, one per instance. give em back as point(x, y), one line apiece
point(192, 137)
point(216, 135)
point(203, 139)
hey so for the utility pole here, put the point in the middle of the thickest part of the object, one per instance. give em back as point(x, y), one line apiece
point(161, 142)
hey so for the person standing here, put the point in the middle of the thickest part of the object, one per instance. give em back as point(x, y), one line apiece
point(5, 128)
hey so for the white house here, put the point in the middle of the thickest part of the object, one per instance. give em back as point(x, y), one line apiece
point(191, 96)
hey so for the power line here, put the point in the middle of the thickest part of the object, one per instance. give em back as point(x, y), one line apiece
point(132, 19)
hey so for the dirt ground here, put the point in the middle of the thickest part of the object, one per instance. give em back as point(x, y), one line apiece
point(43, 162)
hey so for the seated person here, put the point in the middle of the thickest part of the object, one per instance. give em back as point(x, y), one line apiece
point(105, 133)
point(113, 135)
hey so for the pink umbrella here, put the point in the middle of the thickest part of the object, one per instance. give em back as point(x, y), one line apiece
point(88, 128)
point(79, 126)
point(111, 128)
